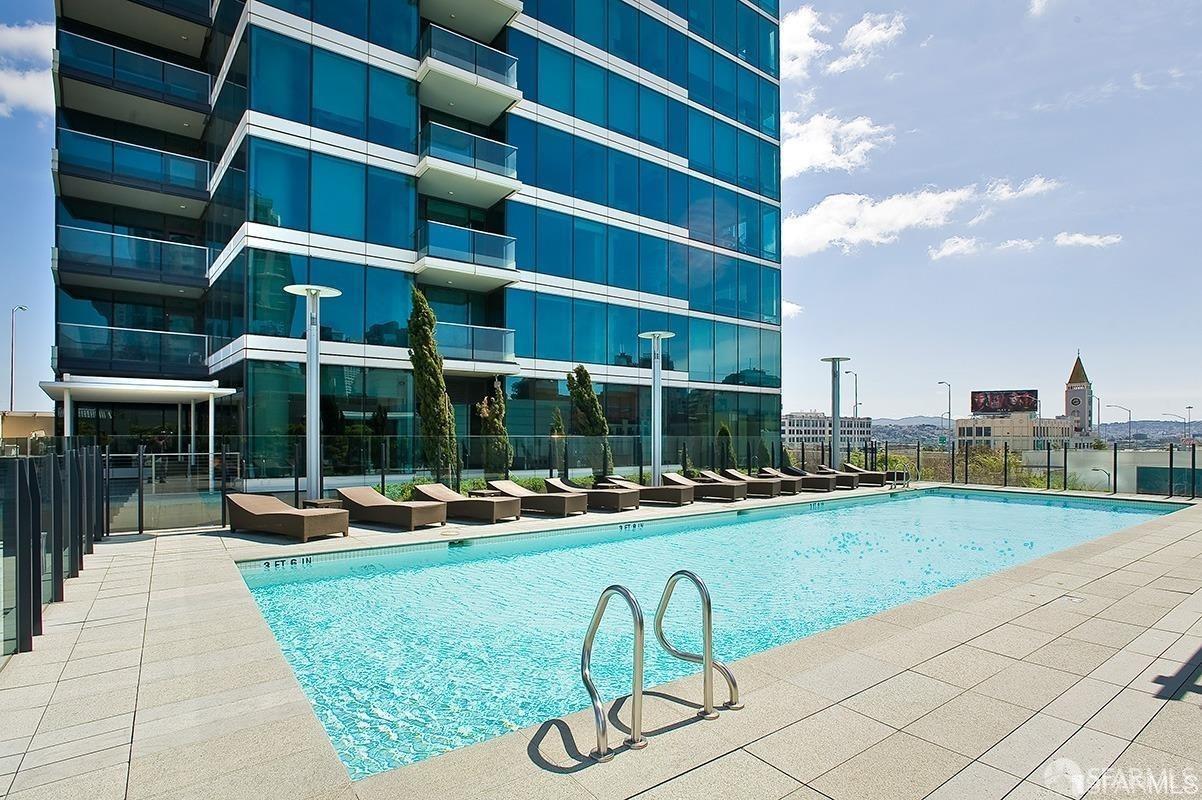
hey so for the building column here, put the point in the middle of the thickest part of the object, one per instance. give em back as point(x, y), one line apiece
point(192, 434)
point(68, 414)
point(212, 441)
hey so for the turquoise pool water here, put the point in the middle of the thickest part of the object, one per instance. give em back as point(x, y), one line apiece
point(410, 652)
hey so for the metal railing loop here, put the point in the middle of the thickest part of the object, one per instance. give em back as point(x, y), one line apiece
point(706, 657)
point(636, 740)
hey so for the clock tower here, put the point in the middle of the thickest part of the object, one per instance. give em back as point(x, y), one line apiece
point(1078, 400)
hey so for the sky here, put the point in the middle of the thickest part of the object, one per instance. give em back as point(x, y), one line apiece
point(973, 192)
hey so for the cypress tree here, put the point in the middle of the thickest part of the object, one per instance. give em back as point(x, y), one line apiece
point(726, 448)
point(433, 405)
point(498, 453)
point(587, 414)
point(558, 441)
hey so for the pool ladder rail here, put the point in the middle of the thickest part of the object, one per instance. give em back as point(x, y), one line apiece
point(636, 740)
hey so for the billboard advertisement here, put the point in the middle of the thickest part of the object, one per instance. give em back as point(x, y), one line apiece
point(1005, 401)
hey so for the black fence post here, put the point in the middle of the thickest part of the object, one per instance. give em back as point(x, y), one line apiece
point(1005, 464)
point(1114, 466)
point(918, 461)
point(224, 459)
point(803, 455)
point(1171, 476)
point(70, 525)
point(296, 457)
point(1064, 470)
point(108, 490)
point(141, 488)
point(967, 477)
point(1193, 472)
point(384, 467)
point(33, 514)
point(24, 582)
point(1047, 473)
point(639, 455)
point(952, 459)
point(886, 455)
point(54, 485)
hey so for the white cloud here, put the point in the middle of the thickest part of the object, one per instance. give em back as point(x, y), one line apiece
point(1035, 185)
point(799, 42)
point(849, 220)
point(24, 68)
point(982, 215)
point(866, 39)
point(789, 309)
point(954, 246)
point(1025, 245)
point(1081, 98)
point(825, 142)
point(1065, 239)
point(927, 40)
point(1038, 7)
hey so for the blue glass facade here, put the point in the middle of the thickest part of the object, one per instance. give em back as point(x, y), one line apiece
point(551, 207)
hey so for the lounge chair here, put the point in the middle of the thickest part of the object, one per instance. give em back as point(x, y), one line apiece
point(598, 499)
point(843, 480)
point(264, 513)
point(676, 495)
point(756, 487)
point(708, 491)
point(559, 504)
point(819, 483)
point(366, 504)
point(867, 476)
point(487, 509)
point(789, 484)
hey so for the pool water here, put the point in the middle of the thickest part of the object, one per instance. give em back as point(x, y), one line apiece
point(410, 652)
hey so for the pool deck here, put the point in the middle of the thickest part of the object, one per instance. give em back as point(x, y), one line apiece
point(158, 678)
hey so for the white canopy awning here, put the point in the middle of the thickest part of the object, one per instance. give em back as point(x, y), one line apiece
point(87, 389)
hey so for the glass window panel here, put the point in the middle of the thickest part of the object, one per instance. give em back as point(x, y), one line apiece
point(653, 190)
point(769, 170)
point(588, 331)
point(623, 258)
point(338, 197)
point(624, 31)
point(591, 169)
point(388, 302)
point(749, 291)
point(726, 352)
point(392, 110)
point(653, 46)
point(701, 67)
point(274, 312)
point(678, 56)
point(701, 18)
point(725, 35)
point(394, 24)
point(701, 210)
point(589, 250)
point(701, 280)
point(678, 128)
point(554, 243)
point(749, 356)
point(770, 233)
point(726, 87)
point(623, 105)
point(348, 16)
point(770, 295)
point(678, 271)
point(748, 34)
point(726, 286)
point(701, 141)
point(279, 75)
point(769, 118)
point(726, 218)
point(676, 350)
point(554, 78)
point(523, 136)
point(653, 264)
point(701, 350)
point(749, 160)
point(653, 117)
point(590, 21)
point(553, 319)
point(623, 183)
point(749, 97)
point(749, 225)
point(623, 335)
point(339, 94)
point(769, 50)
point(590, 92)
point(519, 315)
point(555, 160)
point(391, 208)
point(726, 152)
point(342, 316)
point(519, 223)
point(525, 49)
point(279, 185)
point(678, 198)
point(770, 357)
point(557, 14)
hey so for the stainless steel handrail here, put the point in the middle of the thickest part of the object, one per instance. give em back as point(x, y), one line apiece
point(705, 658)
point(636, 741)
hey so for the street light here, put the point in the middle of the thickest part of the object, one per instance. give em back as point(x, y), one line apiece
point(1189, 422)
point(949, 411)
point(313, 294)
point(1106, 472)
point(657, 401)
point(1184, 422)
point(1130, 438)
point(835, 361)
point(12, 352)
point(855, 404)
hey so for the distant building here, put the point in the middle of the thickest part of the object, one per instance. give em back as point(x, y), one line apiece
point(814, 427)
point(1078, 401)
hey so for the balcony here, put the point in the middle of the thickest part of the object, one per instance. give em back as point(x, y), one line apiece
point(103, 350)
point(465, 168)
point(488, 348)
point(107, 171)
point(179, 25)
point(85, 257)
point(448, 255)
point(479, 19)
point(109, 81)
point(464, 78)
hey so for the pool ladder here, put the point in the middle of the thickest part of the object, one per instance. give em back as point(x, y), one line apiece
point(636, 740)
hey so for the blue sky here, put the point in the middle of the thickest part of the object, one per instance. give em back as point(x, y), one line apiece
point(974, 190)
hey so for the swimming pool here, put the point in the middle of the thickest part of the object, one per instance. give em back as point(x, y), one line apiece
point(408, 652)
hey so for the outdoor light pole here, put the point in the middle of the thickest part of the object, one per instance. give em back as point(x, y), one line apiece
point(657, 402)
point(949, 411)
point(835, 361)
point(1189, 422)
point(12, 353)
point(1130, 438)
point(1184, 422)
point(855, 405)
point(312, 294)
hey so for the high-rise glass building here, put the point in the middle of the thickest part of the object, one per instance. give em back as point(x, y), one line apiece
point(555, 175)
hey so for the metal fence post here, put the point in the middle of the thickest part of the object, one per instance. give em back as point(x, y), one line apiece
point(33, 498)
point(952, 459)
point(384, 467)
point(108, 490)
point(1064, 471)
point(1193, 472)
point(1115, 469)
point(54, 486)
point(1171, 476)
point(296, 459)
point(967, 477)
point(918, 460)
point(1005, 464)
point(1047, 473)
point(141, 488)
point(25, 584)
point(224, 454)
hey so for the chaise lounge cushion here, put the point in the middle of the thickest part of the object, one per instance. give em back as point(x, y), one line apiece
point(267, 514)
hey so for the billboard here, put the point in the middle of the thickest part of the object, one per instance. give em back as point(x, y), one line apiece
point(1006, 401)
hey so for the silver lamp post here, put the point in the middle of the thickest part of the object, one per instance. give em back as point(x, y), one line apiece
point(1189, 422)
point(657, 402)
point(855, 403)
point(949, 411)
point(12, 353)
point(835, 361)
point(313, 295)
point(1184, 422)
point(1130, 438)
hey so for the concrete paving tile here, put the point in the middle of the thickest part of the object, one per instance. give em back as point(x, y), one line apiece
point(911, 615)
point(1028, 685)
point(107, 783)
point(70, 768)
point(1032, 791)
point(1162, 678)
point(94, 665)
point(1187, 650)
point(908, 649)
point(542, 787)
point(51, 737)
point(75, 748)
point(1110, 633)
point(1051, 619)
point(1153, 642)
point(844, 676)
point(902, 699)
point(291, 775)
point(819, 743)
point(33, 696)
point(1072, 769)
point(1126, 715)
point(1142, 772)
point(969, 724)
point(795, 657)
point(1176, 728)
point(16, 675)
point(1071, 655)
point(1122, 668)
point(977, 781)
point(1029, 745)
point(737, 776)
point(1081, 700)
point(19, 722)
point(1179, 620)
point(957, 626)
point(70, 713)
point(900, 767)
point(965, 666)
point(1133, 613)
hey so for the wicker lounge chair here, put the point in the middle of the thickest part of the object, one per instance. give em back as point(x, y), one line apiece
point(263, 513)
point(559, 504)
point(788, 483)
point(818, 483)
point(676, 495)
point(844, 480)
point(867, 476)
point(756, 487)
point(366, 504)
point(708, 491)
point(598, 499)
point(487, 509)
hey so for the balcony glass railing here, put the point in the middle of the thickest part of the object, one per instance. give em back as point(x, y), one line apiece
point(439, 240)
point(100, 348)
point(460, 51)
point(474, 342)
point(449, 144)
point(130, 71)
point(119, 255)
point(94, 156)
